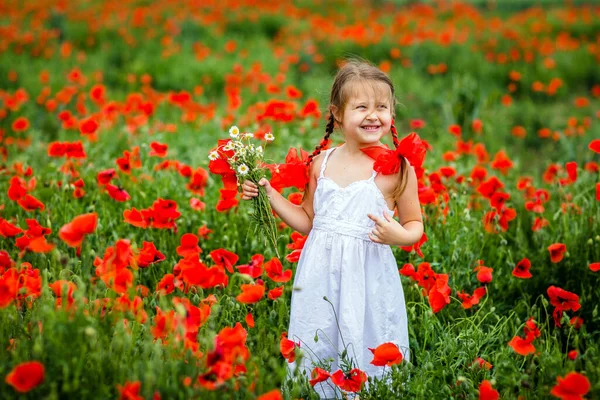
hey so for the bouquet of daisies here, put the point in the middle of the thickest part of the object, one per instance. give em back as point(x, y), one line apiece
point(245, 160)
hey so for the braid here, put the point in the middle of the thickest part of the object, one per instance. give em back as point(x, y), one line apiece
point(401, 185)
point(324, 142)
point(395, 135)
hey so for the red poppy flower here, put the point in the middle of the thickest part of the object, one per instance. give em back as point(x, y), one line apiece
point(576, 322)
point(387, 161)
point(439, 295)
point(26, 376)
point(250, 320)
point(521, 346)
point(166, 285)
point(106, 176)
point(318, 375)
point(407, 270)
point(198, 181)
point(287, 348)
point(563, 299)
point(595, 145)
point(386, 354)
point(30, 203)
point(486, 392)
point(88, 126)
point(58, 286)
point(573, 386)
point(20, 124)
point(130, 391)
point(149, 255)
point(75, 231)
point(350, 382)
point(521, 270)
point(7, 229)
point(311, 109)
point(274, 394)
point(571, 168)
point(117, 193)
point(557, 252)
point(228, 200)
point(276, 293)
point(489, 187)
point(595, 267)
point(251, 294)
point(417, 246)
point(531, 330)
point(158, 149)
point(188, 245)
point(294, 173)
point(468, 300)
point(197, 204)
point(224, 258)
point(483, 363)
point(275, 271)
point(253, 268)
point(484, 274)
point(539, 223)
point(203, 231)
point(455, 130)
point(136, 218)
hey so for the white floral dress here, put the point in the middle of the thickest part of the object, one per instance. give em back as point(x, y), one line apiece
point(360, 277)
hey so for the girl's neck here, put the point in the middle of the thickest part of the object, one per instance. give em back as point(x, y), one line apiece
point(353, 149)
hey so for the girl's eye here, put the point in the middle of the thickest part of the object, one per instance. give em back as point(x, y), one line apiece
point(382, 106)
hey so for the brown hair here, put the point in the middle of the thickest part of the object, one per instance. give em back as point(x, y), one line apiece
point(356, 71)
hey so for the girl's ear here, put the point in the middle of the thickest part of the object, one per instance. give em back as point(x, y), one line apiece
point(335, 111)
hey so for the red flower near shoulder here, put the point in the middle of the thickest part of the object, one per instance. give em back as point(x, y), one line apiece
point(388, 161)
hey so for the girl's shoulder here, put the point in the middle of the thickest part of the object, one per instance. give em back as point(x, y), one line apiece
point(317, 161)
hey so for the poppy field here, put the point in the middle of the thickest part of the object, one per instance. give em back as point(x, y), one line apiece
point(130, 267)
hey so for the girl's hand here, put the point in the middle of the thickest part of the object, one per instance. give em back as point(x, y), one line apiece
point(250, 190)
point(387, 230)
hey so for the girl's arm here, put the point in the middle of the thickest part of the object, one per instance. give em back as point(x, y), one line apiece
point(297, 217)
point(410, 228)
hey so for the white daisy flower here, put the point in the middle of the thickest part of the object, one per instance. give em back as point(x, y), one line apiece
point(228, 146)
point(259, 149)
point(213, 155)
point(243, 169)
point(248, 135)
point(234, 132)
point(269, 137)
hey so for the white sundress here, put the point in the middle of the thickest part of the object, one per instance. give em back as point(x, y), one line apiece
point(360, 277)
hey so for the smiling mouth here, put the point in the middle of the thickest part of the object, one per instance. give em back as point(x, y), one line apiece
point(371, 128)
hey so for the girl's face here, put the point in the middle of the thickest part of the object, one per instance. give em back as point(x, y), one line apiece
point(367, 115)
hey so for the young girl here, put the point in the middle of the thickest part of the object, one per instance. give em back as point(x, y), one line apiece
point(347, 212)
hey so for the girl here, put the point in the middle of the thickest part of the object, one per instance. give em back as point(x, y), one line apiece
point(347, 212)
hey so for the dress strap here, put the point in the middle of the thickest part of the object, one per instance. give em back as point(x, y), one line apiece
point(373, 175)
point(324, 164)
